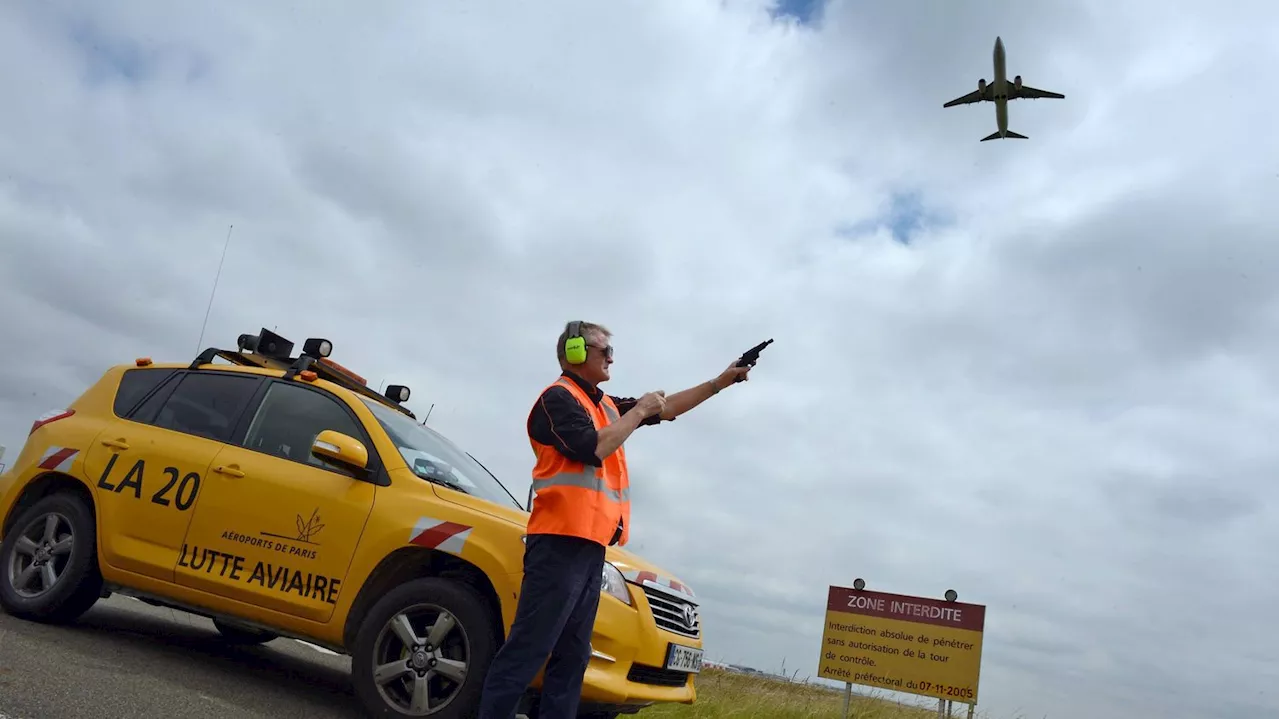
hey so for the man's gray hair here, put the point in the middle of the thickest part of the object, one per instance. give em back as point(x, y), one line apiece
point(589, 330)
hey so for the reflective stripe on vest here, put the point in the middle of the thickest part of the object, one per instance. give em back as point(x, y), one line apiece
point(586, 479)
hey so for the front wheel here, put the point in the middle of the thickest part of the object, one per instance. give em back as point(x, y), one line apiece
point(49, 562)
point(423, 650)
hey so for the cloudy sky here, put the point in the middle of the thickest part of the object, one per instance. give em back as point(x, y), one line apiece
point(1041, 372)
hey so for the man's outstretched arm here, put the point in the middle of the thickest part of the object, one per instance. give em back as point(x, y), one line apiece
point(687, 399)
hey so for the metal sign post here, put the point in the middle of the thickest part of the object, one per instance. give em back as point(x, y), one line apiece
point(848, 686)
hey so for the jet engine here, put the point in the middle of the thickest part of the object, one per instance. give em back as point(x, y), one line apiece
point(1017, 82)
point(982, 85)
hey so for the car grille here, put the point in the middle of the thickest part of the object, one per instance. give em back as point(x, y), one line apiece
point(656, 676)
point(668, 613)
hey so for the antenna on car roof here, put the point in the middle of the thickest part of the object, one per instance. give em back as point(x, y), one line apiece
point(225, 244)
point(424, 419)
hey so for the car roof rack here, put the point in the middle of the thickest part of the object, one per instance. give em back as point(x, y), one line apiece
point(312, 359)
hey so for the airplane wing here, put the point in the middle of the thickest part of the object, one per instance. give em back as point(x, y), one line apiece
point(972, 97)
point(1030, 93)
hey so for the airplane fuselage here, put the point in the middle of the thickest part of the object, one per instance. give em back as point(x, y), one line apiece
point(1000, 88)
point(999, 91)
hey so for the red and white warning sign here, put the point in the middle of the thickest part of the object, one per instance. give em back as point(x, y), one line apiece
point(58, 458)
point(439, 534)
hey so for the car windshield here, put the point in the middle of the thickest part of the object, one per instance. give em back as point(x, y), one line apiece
point(436, 459)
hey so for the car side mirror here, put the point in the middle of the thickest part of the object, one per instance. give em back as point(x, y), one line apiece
point(341, 448)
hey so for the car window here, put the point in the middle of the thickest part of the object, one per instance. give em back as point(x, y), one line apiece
point(290, 417)
point(147, 411)
point(205, 404)
point(438, 460)
point(135, 384)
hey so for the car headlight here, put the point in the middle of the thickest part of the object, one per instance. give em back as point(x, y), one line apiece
point(614, 584)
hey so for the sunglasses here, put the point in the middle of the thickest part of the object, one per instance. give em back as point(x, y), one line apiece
point(607, 350)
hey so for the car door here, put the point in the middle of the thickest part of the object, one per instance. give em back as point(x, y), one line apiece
point(277, 526)
point(148, 467)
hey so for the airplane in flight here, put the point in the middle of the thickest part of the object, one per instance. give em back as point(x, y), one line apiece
point(1000, 91)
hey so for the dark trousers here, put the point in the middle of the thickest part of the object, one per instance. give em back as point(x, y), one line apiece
point(554, 616)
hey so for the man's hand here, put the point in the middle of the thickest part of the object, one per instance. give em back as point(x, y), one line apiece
point(730, 375)
point(652, 403)
point(612, 435)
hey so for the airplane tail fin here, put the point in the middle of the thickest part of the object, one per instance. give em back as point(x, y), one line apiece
point(1007, 133)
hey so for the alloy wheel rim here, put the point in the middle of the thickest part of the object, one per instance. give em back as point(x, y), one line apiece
point(420, 659)
point(41, 554)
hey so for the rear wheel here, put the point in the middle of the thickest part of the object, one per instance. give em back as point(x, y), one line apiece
point(423, 650)
point(235, 634)
point(49, 562)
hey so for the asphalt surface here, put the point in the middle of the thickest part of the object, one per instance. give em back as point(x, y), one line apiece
point(128, 659)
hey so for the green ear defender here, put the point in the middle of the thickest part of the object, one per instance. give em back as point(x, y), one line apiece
point(575, 345)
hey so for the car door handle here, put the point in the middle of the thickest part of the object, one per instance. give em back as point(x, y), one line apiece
point(231, 471)
point(116, 443)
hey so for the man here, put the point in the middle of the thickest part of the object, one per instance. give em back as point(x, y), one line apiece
point(579, 505)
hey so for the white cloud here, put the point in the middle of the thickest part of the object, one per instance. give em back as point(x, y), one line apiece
point(1058, 399)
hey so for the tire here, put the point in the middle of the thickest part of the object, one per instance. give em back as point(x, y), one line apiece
point(472, 639)
point(77, 583)
point(243, 635)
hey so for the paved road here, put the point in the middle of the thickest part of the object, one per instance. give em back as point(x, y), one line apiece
point(126, 659)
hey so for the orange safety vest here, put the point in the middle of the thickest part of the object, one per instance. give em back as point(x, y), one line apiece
point(576, 499)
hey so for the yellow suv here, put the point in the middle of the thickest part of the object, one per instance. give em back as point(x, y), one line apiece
point(280, 496)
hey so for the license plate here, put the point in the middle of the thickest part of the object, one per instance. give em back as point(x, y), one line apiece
point(684, 659)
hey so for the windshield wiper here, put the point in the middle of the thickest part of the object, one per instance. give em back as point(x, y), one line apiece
point(495, 479)
point(443, 482)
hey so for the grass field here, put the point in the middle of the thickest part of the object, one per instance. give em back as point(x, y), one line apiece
point(727, 695)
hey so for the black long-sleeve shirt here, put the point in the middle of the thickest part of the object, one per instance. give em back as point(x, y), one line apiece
point(559, 421)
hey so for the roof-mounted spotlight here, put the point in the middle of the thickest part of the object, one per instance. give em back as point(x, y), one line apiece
point(397, 393)
point(317, 347)
point(247, 343)
point(859, 584)
point(951, 595)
